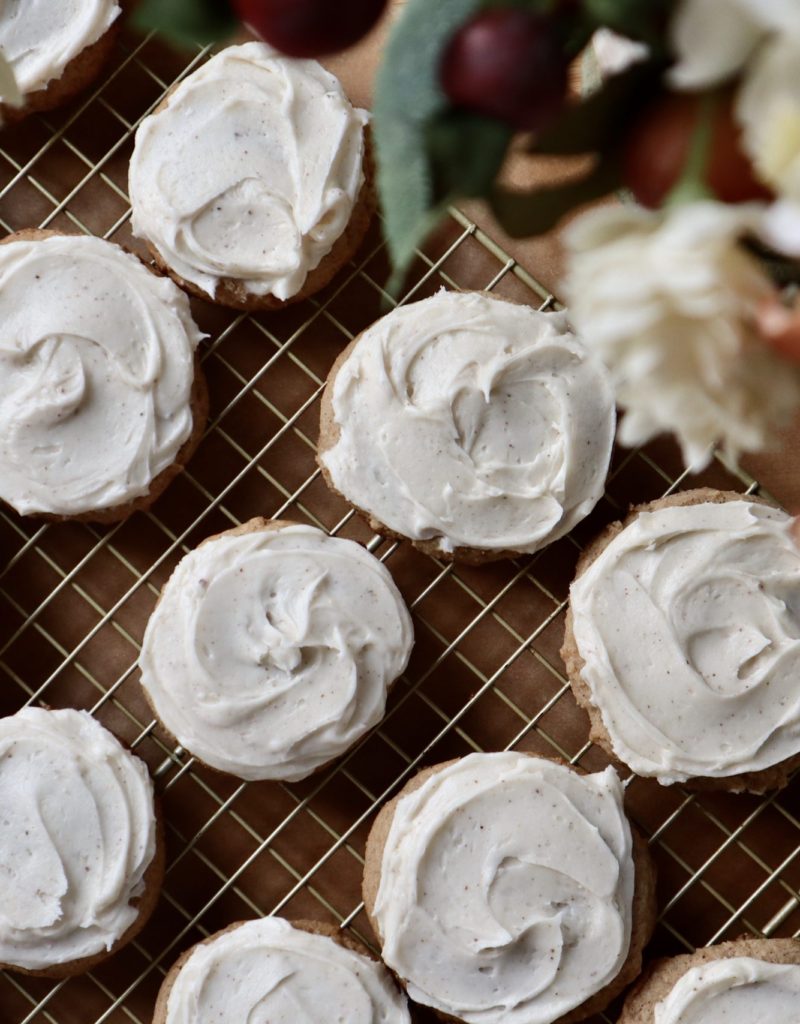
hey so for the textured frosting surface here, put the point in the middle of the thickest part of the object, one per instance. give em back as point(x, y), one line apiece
point(738, 990)
point(271, 652)
point(472, 422)
point(251, 172)
point(77, 833)
point(689, 626)
point(269, 971)
point(506, 889)
point(40, 37)
point(96, 372)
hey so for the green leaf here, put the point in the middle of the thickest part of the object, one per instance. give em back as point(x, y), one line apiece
point(597, 123)
point(188, 22)
point(640, 19)
point(466, 151)
point(537, 6)
point(408, 99)
point(532, 213)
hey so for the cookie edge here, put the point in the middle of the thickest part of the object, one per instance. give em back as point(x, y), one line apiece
point(198, 405)
point(662, 975)
point(771, 778)
point(643, 912)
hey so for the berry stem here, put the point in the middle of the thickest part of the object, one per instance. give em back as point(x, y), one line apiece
point(692, 185)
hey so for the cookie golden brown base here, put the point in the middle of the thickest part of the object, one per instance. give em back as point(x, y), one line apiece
point(662, 975)
point(774, 777)
point(145, 905)
point(198, 403)
point(312, 927)
point(643, 915)
point(78, 75)
point(328, 438)
point(234, 295)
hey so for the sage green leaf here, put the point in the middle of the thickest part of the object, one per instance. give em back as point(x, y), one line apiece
point(640, 19)
point(532, 213)
point(188, 22)
point(466, 150)
point(408, 98)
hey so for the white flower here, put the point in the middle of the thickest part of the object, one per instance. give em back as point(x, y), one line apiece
point(669, 302)
point(615, 53)
point(713, 39)
point(780, 227)
point(759, 39)
point(768, 109)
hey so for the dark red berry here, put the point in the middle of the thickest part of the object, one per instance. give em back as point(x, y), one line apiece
point(509, 64)
point(310, 28)
point(656, 150)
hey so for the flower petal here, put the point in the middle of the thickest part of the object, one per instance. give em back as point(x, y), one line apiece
point(712, 40)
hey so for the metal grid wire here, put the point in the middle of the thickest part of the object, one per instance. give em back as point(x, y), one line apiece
point(485, 674)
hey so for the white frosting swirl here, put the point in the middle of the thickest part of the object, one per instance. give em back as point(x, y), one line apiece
point(270, 971)
point(271, 651)
point(96, 371)
point(473, 422)
point(689, 626)
point(506, 889)
point(738, 990)
point(250, 172)
point(77, 833)
point(39, 37)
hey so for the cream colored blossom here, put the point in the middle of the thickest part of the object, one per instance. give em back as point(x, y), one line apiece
point(768, 109)
point(759, 40)
point(615, 53)
point(713, 40)
point(669, 300)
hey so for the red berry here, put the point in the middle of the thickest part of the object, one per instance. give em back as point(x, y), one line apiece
point(656, 150)
point(510, 64)
point(310, 28)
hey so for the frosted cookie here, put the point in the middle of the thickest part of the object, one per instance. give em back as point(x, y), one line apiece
point(55, 49)
point(81, 853)
point(477, 428)
point(274, 970)
point(272, 649)
point(101, 403)
point(249, 183)
point(510, 889)
point(683, 641)
point(748, 981)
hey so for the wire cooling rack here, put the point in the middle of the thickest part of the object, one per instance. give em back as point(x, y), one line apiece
point(485, 673)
